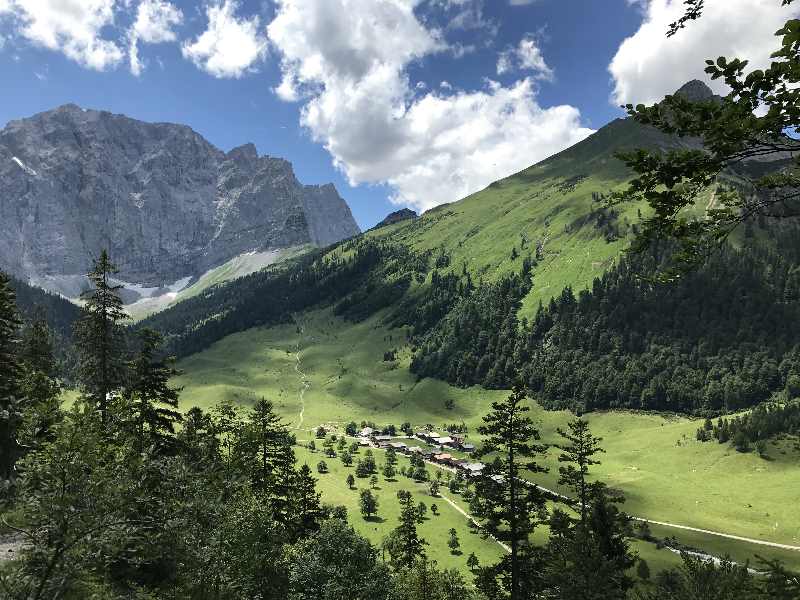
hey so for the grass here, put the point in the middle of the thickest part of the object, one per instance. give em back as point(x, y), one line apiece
point(435, 529)
point(654, 459)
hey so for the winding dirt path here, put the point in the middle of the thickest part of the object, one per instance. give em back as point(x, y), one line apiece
point(304, 381)
point(471, 518)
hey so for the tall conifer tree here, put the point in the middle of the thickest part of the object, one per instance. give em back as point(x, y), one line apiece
point(508, 507)
point(152, 401)
point(99, 337)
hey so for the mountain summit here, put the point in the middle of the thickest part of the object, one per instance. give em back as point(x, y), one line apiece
point(165, 202)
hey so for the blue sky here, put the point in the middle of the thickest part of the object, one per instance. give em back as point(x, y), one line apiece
point(398, 102)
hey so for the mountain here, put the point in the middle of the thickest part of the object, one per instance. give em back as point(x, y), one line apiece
point(167, 204)
point(404, 214)
point(551, 213)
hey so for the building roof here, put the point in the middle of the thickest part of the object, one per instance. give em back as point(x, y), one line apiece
point(398, 445)
point(382, 438)
point(475, 467)
point(367, 431)
point(433, 434)
point(442, 457)
point(444, 440)
point(468, 446)
point(415, 449)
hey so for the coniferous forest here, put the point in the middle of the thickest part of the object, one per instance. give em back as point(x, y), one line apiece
point(720, 339)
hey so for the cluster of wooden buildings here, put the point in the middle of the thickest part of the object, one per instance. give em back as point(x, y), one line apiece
point(436, 454)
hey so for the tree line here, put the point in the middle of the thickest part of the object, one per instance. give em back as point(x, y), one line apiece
point(753, 429)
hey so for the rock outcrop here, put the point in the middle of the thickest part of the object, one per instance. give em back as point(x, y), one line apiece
point(165, 202)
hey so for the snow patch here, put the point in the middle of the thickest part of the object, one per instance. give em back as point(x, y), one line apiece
point(24, 167)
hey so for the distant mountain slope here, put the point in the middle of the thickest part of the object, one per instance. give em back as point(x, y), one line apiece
point(165, 202)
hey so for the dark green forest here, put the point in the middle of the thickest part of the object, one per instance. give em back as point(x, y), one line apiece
point(721, 338)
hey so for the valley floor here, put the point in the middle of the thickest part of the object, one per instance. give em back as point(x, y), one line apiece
point(325, 371)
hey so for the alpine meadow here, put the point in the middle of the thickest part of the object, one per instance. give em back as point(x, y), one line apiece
point(427, 300)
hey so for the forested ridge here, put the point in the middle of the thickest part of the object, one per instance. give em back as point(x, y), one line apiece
point(720, 339)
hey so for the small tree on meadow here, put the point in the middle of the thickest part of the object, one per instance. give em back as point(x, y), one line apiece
point(453, 542)
point(368, 504)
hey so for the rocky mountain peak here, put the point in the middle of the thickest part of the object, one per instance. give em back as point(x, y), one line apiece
point(695, 91)
point(164, 201)
point(246, 152)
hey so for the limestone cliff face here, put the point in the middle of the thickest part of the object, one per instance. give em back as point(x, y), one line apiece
point(164, 201)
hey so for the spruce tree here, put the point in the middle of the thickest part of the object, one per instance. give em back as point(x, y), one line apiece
point(39, 385)
point(578, 448)
point(306, 508)
point(152, 402)
point(587, 558)
point(99, 338)
point(508, 507)
point(404, 544)
point(10, 403)
point(267, 453)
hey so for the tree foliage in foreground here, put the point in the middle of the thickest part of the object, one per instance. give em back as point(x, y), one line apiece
point(737, 134)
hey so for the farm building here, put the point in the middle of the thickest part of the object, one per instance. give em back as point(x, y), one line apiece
point(474, 469)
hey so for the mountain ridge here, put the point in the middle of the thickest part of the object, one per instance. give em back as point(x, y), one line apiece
point(163, 200)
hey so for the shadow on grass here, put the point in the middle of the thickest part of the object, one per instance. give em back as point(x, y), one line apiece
point(375, 519)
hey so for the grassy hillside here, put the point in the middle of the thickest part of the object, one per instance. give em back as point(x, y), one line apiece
point(554, 205)
point(331, 371)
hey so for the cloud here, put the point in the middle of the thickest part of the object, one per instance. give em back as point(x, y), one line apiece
point(72, 27)
point(347, 60)
point(155, 20)
point(648, 65)
point(231, 46)
point(526, 56)
point(521, 2)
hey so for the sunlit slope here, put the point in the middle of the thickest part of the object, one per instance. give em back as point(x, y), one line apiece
point(555, 205)
point(327, 371)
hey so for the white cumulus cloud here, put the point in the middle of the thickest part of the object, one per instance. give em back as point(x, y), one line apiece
point(648, 65)
point(347, 61)
point(526, 56)
point(155, 22)
point(73, 27)
point(231, 46)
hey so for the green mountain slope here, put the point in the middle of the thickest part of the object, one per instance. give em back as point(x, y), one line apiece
point(552, 211)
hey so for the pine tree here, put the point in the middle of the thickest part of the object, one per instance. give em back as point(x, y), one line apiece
point(99, 338)
point(152, 401)
point(306, 508)
point(10, 402)
point(581, 446)
point(508, 507)
point(266, 448)
point(405, 546)
point(38, 383)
